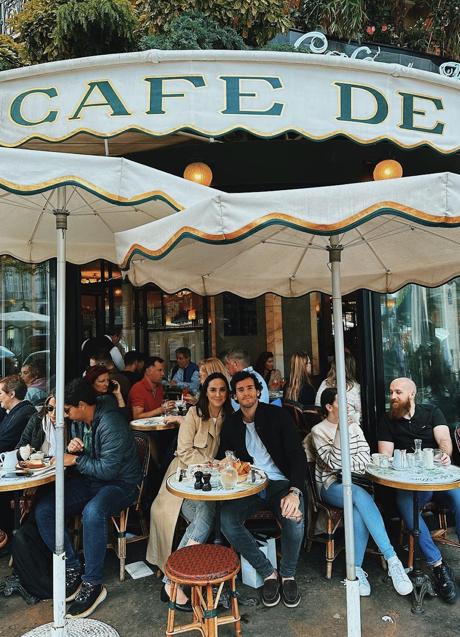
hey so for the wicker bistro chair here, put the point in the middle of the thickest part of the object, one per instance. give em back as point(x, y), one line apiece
point(120, 522)
point(304, 418)
point(203, 567)
point(321, 514)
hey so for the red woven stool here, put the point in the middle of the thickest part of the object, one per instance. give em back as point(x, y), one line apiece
point(203, 566)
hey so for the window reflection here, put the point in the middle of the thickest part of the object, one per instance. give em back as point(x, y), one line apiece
point(24, 316)
point(421, 340)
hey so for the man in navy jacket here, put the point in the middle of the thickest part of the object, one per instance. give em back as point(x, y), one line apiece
point(103, 481)
point(17, 411)
point(267, 437)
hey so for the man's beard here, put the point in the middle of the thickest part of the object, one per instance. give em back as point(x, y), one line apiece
point(400, 409)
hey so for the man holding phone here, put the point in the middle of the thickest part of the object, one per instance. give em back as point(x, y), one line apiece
point(266, 436)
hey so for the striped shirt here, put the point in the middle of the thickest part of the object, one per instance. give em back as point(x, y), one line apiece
point(326, 442)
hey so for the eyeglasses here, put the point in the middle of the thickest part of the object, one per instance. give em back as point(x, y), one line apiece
point(67, 410)
point(51, 408)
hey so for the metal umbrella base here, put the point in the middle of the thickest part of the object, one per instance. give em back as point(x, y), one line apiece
point(75, 628)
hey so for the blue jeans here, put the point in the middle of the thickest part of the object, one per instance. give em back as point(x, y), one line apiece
point(235, 512)
point(97, 504)
point(404, 501)
point(366, 519)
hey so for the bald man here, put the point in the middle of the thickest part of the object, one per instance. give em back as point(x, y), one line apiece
point(405, 422)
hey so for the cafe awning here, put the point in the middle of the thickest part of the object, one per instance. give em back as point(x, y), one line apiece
point(105, 104)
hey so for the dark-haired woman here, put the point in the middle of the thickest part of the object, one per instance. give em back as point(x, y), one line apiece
point(198, 442)
point(265, 366)
point(39, 433)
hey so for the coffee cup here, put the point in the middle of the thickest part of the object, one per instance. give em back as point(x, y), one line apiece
point(9, 460)
point(37, 455)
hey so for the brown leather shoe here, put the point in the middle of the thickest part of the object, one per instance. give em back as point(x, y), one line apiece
point(3, 539)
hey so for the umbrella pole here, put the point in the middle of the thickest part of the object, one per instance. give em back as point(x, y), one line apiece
point(352, 584)
point(59, 552)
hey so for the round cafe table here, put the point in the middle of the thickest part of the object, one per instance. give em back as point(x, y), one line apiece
point(441, 478)
point(151, 425)
point(20, 483)
point(256, 482)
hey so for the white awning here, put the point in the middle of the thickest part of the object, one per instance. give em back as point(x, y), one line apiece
point(393, 232)
point(154, 97)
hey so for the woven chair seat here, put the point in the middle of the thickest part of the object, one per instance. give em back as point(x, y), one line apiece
point(202, 563)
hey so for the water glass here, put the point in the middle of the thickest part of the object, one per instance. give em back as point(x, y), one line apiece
point(437, 455)
point(428, 459)
point(410, 458)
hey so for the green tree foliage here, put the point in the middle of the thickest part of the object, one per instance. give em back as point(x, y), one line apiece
point(339, 18)
point(257, 21)
point(56, 29)
point(194, 30)
point(11, 53)
point(35, 25)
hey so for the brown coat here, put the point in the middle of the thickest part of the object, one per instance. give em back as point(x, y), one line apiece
point(198, 442)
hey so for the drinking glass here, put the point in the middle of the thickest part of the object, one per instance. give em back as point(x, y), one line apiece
point(437, 455)
point(166, 407)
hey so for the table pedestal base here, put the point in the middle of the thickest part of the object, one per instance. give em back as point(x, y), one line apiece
point(75, 628)
point(422, 586)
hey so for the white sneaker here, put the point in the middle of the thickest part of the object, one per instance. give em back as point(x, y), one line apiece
point(401, 581)
point(364, 586)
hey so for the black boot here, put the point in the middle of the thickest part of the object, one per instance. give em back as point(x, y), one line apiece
point(444, 582)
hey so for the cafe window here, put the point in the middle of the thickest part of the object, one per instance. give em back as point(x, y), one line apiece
point(25, 316)
point(240, 315)
point(420, 330)
point(174, 320)
point(174, 311)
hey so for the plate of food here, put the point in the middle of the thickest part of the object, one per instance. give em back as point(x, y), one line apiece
point(33, 466)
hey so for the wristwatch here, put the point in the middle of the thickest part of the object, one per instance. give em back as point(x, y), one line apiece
point(296, 491)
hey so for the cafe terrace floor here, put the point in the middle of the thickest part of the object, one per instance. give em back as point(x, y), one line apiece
point(134, 609)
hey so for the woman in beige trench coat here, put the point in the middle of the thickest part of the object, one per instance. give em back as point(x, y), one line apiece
point(198, 442)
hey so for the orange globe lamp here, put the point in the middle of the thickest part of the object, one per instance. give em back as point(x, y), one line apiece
point(198, 172)
point(388, 169)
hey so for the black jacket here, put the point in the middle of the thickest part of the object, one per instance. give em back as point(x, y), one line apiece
point(114, 456)
point(33, 433)
point(13, 424)
point(278, 433)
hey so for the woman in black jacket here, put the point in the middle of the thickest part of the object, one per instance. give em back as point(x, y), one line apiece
point(39, 433)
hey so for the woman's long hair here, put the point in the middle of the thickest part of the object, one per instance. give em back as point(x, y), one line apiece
point(260, 365)
point(298, 376)
point(350, 372)
point(213, 365)
point(202, 407)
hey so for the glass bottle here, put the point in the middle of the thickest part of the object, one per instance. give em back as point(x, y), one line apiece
point(229, 475)
point(418, 453)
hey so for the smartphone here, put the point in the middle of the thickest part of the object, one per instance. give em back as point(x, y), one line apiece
point(111, 388)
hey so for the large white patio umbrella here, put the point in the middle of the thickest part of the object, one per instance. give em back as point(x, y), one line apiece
point(69, 206)
point(374, 235)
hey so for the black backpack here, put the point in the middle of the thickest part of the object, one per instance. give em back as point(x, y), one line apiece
point(32, 561)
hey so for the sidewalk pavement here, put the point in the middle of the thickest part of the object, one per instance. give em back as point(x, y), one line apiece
point(133, 607)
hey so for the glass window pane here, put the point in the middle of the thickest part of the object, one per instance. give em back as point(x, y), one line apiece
point(421, 341)
point(25, 316)
point(184, 309)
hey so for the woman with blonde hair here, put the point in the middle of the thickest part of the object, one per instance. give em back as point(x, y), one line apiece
point(206, 367)
point(352, 385)
point(299, 388)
